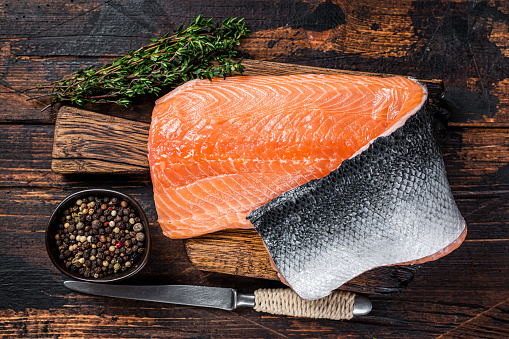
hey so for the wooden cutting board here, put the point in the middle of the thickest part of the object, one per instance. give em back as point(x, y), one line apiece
point(94, 143)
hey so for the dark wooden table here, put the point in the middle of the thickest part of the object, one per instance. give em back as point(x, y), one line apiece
point(465, 294)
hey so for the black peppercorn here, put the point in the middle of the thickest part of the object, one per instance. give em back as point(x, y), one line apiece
point(96, 224)
point(94, 236)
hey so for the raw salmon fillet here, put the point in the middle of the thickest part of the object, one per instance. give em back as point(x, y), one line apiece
point(220, 149)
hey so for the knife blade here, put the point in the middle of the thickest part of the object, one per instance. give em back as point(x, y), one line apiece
point(224, 298)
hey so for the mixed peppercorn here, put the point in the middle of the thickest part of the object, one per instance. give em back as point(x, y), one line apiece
point(99, 236)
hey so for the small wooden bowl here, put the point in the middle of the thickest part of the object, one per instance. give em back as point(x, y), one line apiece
point(52, 229)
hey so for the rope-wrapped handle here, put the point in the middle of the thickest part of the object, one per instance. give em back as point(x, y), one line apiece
point(336, 306)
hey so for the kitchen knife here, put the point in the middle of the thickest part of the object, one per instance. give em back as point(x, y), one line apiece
point(337, 306)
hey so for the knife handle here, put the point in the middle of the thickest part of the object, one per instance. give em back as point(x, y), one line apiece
point(339, 305)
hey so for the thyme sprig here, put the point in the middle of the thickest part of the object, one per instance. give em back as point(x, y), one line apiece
point(201, 51)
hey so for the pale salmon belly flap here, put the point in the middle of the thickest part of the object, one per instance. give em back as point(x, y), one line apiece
point(218, 150)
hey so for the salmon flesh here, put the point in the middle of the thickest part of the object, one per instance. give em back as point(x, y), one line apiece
point(337, 173)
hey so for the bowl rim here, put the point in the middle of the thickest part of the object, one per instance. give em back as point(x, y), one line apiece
point(102, 192)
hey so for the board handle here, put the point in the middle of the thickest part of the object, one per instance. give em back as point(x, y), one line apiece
point(339, 305)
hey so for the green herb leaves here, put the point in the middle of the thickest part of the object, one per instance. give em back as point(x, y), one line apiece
point(201, 51)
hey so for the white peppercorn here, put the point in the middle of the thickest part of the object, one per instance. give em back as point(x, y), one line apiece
point(140, 236)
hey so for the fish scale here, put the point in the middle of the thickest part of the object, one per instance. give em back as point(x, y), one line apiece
point(403, 211)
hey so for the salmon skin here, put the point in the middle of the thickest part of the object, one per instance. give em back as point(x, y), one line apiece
point(390, 204)
point(220, 149)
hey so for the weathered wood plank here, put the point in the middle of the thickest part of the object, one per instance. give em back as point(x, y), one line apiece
point(476, 159)
point(87, 142)
point(446, 303)
point(492, 323)
point(414, 38)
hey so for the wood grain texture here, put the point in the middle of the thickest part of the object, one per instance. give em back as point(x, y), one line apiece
point(464, 43)
point(87, 142)
point(485, 324)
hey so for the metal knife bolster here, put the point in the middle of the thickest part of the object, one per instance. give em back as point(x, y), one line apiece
point(244, 299)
